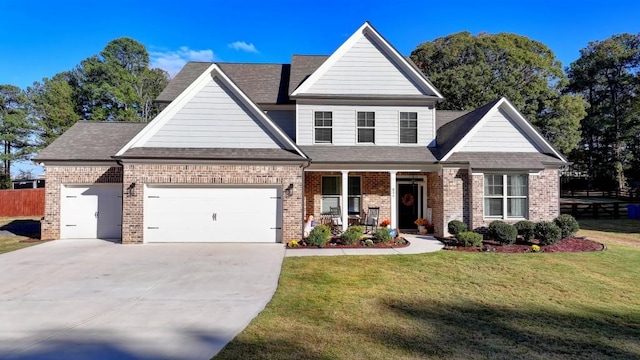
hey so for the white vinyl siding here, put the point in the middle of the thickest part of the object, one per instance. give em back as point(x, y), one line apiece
point(345, 124)
point(499, 134)
point(214, 118)
point(286, 120)
point(364, 69)
point(506, 196)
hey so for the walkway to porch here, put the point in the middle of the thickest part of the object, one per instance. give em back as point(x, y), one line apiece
point(419, 244)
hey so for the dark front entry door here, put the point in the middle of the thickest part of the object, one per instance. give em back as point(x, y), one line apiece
point(407, 205)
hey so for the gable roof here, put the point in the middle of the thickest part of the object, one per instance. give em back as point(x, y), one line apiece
point(213, 71)
point(452, 136)
point(90, 141)
point(262, 83)
point(446, 116)
point(414, 74)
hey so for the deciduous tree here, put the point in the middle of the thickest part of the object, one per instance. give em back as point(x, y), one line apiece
point(471, 71)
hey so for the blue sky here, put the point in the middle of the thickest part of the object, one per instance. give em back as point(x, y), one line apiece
point(41, 38)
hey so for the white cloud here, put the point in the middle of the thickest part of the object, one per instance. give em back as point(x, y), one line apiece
point(243, 46)
point(173, 60)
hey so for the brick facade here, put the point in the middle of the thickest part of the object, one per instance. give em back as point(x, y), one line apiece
point(463, 198)
point(278, 175)
point(56, 176)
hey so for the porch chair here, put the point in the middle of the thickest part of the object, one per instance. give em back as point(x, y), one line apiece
point(336, 220)
point(371, 219)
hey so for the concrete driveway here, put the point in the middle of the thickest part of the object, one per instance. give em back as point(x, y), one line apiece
point(93, 299)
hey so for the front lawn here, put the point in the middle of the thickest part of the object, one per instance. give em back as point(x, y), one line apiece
point(455, 305)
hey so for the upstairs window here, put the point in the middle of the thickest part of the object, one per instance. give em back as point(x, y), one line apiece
point(323, 122)
point(366, 126)
point(408, 128)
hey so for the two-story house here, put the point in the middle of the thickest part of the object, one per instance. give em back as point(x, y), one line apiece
point(242, 152)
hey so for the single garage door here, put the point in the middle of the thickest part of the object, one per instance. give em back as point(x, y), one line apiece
point(91, 211)
point(211, 214)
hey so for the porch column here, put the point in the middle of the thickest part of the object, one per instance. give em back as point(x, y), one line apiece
point(394, 200)
point(345, 200)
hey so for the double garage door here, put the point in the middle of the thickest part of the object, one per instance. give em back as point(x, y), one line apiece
point(206, 214)
point(175, 213)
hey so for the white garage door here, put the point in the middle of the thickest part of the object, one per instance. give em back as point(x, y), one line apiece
point(206, 214)
point(91, 211)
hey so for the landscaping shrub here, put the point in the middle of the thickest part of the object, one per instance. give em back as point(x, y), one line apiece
point(526, 229)
point(469, 238)
point(505, 234)
point(456, 226)
point(368, 242)
point(547, 232)
point(381, 235)
point(319, 236)
point(352, 235)
point(567, 224)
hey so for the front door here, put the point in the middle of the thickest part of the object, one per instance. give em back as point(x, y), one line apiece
point(408, 205)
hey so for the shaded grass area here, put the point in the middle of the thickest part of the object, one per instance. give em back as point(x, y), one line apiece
point(23, 228)
point(617, 231)
point(452, 305)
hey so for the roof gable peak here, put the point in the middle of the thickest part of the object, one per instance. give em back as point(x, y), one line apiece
point(411, 77)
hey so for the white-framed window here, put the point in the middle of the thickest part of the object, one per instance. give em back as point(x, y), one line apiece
point(323, 124)
point(506, 196)
point(408, 127)
point(332, 194)
point(366, 122)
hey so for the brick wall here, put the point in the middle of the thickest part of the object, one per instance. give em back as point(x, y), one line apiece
point(279, 175)
point(544, 195)
point(435, 202)
point(455, 196)
point(56, 176)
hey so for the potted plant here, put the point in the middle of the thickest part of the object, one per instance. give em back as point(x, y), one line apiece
point(422, 224)
point(385, 223)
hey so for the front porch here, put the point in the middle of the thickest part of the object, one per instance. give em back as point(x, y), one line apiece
point(401, 195)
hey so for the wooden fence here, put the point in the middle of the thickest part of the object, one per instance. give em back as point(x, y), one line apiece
point(22, 202)
point(595, 210)
point(625, 194)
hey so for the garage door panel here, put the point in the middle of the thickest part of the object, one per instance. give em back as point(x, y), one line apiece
point(184, 214)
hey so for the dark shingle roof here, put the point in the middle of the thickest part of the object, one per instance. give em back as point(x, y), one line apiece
point(369, 154)
point(210, 154)
point(302, 66)
point(502, 160)
point(449, 134)
point(90, 141)
point(446, 116)
point(262, 83)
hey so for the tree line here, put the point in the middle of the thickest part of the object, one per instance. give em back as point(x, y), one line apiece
point(589, 110)
point(115, 85)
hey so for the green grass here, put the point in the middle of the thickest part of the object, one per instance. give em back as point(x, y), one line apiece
point(455, 305)
point(11, 243)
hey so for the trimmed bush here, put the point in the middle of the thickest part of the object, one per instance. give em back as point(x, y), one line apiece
point(381, 235)
point(469, 238)
point(567, 224)
point(319, 236)
point(455, 227)
point(368, 243)
point(505, 234)
point(526, 229)
point(352, 235)
point(547, 232)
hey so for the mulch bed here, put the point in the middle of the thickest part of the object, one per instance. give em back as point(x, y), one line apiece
point(575, 244)
point(336, 243)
